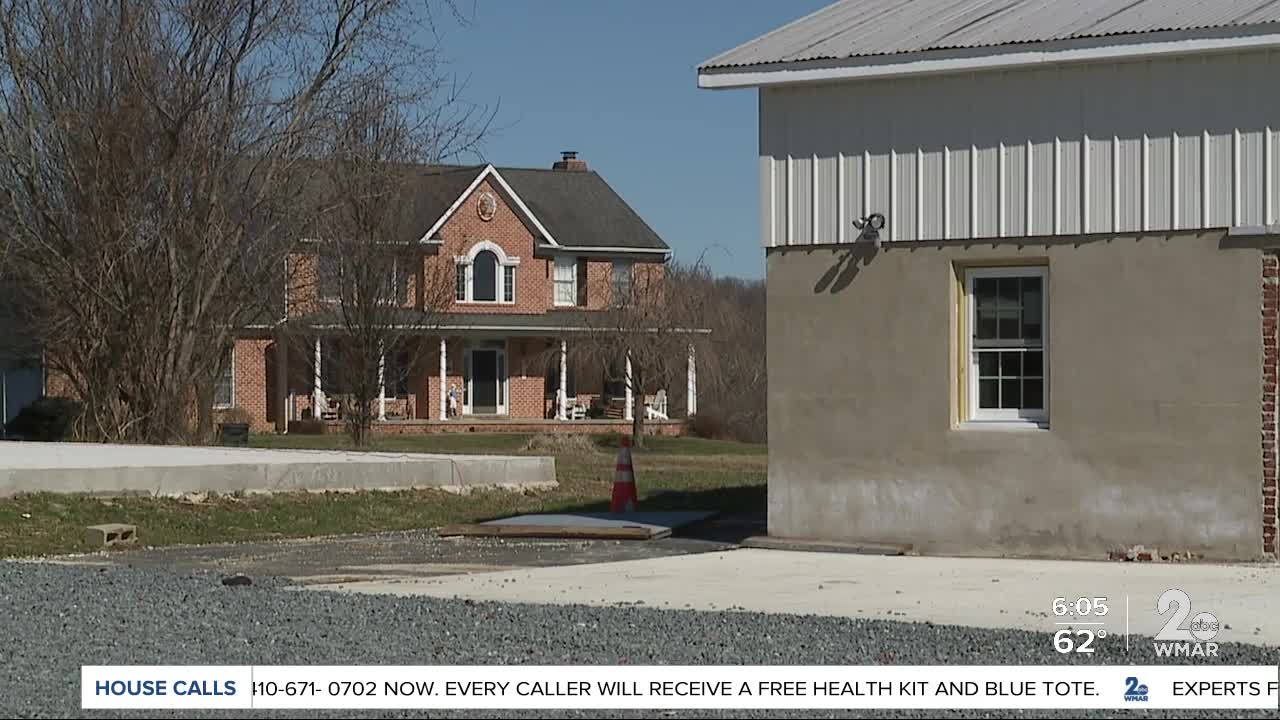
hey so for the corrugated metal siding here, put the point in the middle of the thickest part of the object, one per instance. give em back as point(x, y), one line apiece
point(855, 28)
point(1110, 145)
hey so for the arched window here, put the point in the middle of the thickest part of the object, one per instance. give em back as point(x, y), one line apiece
point(485, 277)
point(486, 274)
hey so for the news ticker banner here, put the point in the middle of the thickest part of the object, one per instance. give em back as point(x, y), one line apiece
point(680, 687)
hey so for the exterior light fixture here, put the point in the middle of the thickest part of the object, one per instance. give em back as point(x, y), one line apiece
point(870, 226)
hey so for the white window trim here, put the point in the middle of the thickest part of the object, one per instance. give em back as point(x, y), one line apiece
point(228, 406)
point(1004, 419)
point(555, 297)
point(504, 261)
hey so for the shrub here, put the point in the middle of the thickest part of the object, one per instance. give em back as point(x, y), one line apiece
point(48, 419)
point(708, 424)
point(237, 416)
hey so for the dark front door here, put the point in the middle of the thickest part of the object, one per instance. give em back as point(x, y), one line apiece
point(484, 382)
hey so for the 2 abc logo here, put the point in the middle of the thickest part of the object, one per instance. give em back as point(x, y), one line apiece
point(1193, 640)
point(1134, 691)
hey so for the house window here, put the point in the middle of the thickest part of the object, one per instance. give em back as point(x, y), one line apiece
point(484, 277)
point(330, 277)
point(397, 281)
point(487, 274)
point(566, 280)
point(1007, 358)
point(621, 281)
point(224, 387)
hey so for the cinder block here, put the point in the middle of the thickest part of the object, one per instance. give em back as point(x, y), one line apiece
point(111, 534)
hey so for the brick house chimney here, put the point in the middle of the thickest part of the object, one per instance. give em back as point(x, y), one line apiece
point(569, 161)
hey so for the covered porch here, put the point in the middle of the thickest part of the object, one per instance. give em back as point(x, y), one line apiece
point(480, 379)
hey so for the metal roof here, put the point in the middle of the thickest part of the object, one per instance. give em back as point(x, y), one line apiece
point(860, 28)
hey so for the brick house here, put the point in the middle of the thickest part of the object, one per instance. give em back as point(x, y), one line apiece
point(528, 255)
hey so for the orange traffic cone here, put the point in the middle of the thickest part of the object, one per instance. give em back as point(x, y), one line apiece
point(624, 481)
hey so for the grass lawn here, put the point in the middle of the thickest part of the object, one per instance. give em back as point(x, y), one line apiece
point(704, 474)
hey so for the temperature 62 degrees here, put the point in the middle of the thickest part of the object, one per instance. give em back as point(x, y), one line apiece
point(1069, 640)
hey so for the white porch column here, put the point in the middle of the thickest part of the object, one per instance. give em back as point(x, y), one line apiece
point(317, 396)
point(382, 386)
point(444, 388)
point(628, 387)
point(561, 394)
point(281, 389)
point(693, 382)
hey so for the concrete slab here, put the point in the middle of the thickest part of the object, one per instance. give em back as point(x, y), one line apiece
point(655, 520)
point(974, 592)
point(175, 470)
point(591, 526)
point(385, 556)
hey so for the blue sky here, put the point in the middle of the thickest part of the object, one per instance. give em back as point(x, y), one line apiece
point(616, 81)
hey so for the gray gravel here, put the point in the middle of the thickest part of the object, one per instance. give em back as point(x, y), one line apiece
point(57, 618)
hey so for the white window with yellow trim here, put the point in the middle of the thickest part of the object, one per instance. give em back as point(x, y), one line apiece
point(1006, 350)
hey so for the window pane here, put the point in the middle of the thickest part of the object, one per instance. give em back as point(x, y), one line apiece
point(988, 364)
point(986, 329)
point(1008, 291)
point(566, 280)
point(1011, 394)
point(1033, 364)
point(330, 277)
point(1032, 313)
point(1033, 394)
point(988, 394)
point(484, 276)
point(509, 283)
point(1010, 364)
point(984, 291)
point(1008, 320)
point(222, 389)
point(460, 293)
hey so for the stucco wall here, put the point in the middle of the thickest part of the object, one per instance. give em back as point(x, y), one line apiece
point(1154, 402)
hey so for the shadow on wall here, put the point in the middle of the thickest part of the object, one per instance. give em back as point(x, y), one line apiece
point(851, 259)
point(849, 262)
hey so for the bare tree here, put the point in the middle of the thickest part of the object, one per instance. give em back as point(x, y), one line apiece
point(650, 328)
point(732, 375)
point(153, 159)
point(385, 298)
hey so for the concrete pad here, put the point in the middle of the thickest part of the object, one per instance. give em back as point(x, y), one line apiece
point(111, 534)
point(656, 520)
point(591, 526)
point(974, 592)
point(175, 470)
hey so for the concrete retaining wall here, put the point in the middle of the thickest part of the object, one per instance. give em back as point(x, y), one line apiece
point(172, 471)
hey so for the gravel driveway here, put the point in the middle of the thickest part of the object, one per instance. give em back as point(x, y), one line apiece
point(58, 618)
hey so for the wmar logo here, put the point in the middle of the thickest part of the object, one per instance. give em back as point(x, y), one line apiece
point(1134, 691)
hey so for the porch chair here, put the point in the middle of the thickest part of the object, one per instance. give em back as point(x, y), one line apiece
point(657, 409)
point(576, 410)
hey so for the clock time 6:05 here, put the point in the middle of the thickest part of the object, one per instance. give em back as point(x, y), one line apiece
point(1080, 607)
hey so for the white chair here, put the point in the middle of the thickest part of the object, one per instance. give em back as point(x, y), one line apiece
point(577, 410)
point(657, 410)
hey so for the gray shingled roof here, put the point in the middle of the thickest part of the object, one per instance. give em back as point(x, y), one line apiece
point(578, 208)
point(858, 28)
